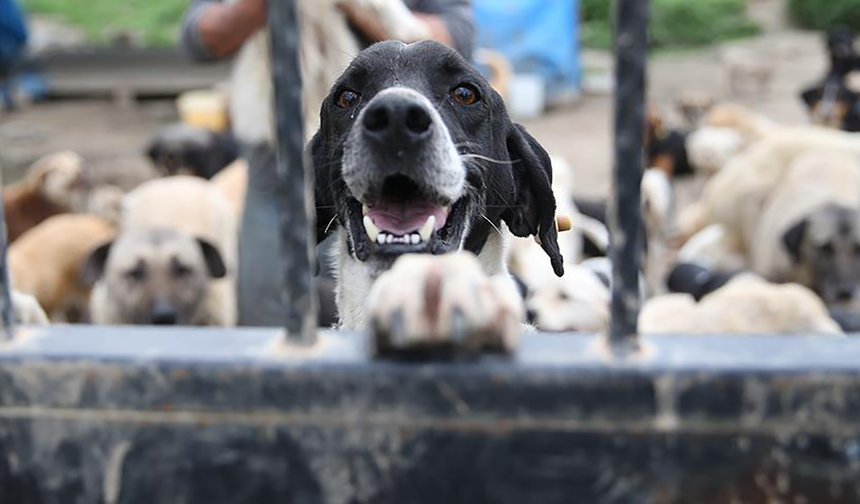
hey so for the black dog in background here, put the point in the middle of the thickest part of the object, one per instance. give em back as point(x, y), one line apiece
point(831, 102)
point(182, 149)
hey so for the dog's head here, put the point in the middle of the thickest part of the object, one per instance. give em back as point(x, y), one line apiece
point(416, 154)
point(827, 245)
point(833, 105)
point(180, 149)
point(62, 178)
point(156, 277)
point(840, 43)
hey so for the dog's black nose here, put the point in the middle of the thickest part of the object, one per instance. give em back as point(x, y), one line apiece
point(531, 316)
point(163, 313)
point(395, 120)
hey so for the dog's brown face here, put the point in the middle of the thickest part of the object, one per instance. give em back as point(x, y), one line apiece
point(157, 277)
point(826, 245)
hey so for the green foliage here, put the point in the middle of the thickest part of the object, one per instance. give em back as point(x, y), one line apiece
point(823, 14)
point(674, 23)
point(156, 21)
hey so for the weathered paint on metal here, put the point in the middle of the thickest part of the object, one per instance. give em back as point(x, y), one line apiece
point(6, 308)
point(296, 201)
point(631, 50)
point(112, 415)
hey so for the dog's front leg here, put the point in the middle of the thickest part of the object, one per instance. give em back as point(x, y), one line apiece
point(444, 302)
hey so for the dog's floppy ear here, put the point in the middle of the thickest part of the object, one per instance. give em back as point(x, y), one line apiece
point(812, 96)
point(792, 239)
point(533, 212)
point(214, 261)
point(153, 152)
point(323, 197)
point(94, 266)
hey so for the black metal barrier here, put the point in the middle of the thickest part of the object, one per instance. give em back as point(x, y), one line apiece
point(142, 415)
point(106, 415)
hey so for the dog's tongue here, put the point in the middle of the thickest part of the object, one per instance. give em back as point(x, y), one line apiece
point(404, 217)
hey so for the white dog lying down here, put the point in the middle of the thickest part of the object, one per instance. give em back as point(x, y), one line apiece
point(747, 304)
point(736, 195)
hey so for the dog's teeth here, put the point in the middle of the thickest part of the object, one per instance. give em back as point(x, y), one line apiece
point(415, 239)
point(446, 210)
point(428, 228)
point(370, 227)
point(365, 209)
point(389, 239)
point(381, 238)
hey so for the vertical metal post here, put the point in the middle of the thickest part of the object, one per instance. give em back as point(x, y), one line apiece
point(6, 309)
point(295, 178)
point(631, 49)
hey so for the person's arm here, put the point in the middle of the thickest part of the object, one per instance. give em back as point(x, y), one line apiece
point(447, 21)
point(213, 30)
point(419, 26)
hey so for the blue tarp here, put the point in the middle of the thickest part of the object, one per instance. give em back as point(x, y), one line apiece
point(537, 36)
point(13, 33)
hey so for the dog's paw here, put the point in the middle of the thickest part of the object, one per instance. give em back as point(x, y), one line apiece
point(444, 303)
point(26, 310)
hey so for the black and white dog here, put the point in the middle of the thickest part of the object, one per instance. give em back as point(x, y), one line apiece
point(416, 154)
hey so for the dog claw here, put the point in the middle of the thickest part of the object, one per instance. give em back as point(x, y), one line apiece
point(397, 328)
point(459, 325)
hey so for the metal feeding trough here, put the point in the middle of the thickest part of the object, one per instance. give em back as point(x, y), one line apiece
point(144, 415)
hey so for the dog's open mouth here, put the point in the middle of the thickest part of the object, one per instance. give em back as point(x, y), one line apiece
point(403, 218)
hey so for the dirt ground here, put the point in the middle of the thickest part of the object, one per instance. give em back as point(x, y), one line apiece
point(113, 138)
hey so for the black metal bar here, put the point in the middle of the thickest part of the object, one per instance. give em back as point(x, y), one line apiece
point(631, 37)
point(5, 289)
point(296, 200)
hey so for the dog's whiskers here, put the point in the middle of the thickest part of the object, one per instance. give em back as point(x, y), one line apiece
point(329, 225)
point(487, 159)
point(491, 223)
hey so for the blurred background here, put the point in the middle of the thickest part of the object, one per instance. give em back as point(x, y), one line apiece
point(101, 76)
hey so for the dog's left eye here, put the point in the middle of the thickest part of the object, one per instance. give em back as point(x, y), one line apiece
point(181, 271)
point(465, 94)
point(347, 99)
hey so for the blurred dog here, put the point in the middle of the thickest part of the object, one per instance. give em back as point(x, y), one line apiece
point(809, 229)
point(832, 102)
point(157, 277)
point(55, 184)
point(47, 260)
point(735, 196)
point(174, 261)
point(747, 304)
point(182, 149)
point(232, 181)
point(665, 149)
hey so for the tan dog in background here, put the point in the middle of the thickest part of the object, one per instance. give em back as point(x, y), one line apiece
point(55, 184)
point(178, 249)
point(47, 260)
point(747, 304)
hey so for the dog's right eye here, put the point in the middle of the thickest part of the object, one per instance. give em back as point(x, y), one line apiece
point(137, 274)
point(826, 249)
point(347, 99)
